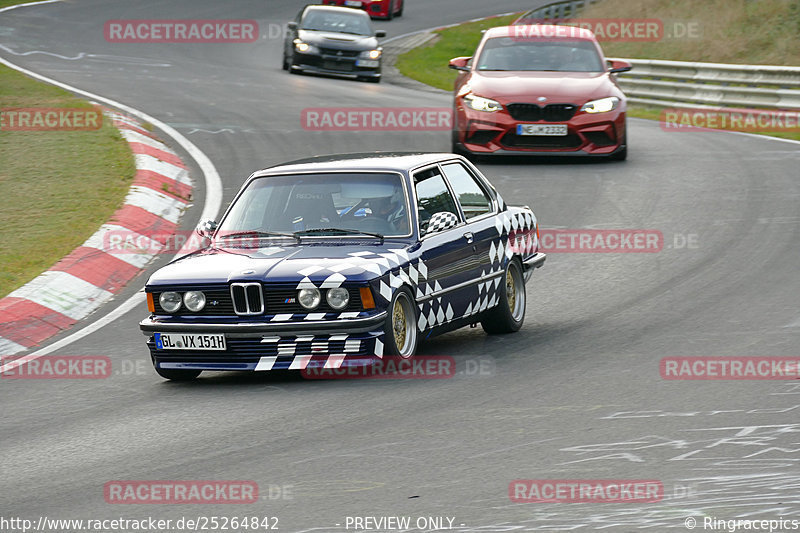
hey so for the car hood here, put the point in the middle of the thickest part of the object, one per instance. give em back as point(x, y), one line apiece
point(558, 87)
point(339, 41)
point(282, 263)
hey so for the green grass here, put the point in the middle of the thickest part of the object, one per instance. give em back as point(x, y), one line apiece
point(428, 63)
point(56, 188)
point(762, 32)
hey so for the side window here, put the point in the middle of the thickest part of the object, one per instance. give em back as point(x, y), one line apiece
point(470, 195)
point(432, 196)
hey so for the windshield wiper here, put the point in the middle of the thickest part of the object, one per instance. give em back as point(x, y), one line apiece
point(342, 231)
point(239, 234)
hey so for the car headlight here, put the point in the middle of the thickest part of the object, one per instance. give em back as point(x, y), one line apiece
point(371, 54)
point(194, 301)
point(338, 298)
point(479, 103)
point(309, 298)
point(305, 48)
point(603, 105)
point(170, 301)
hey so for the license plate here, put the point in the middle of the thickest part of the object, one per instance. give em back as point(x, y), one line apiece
point(368, 63)
point(549, 130)
point(352, 3)
point(190, 341)
point(338, 65)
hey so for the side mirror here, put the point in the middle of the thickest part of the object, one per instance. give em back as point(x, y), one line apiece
point(459, 63)
point(616, 66)
point(441, 221)
point(207, 228)
point(291, 25)
point(380, 33)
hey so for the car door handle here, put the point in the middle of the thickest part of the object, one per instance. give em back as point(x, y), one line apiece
point(469, 236)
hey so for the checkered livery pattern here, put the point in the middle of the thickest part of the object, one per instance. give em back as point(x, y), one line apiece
point(441, 221)
point(303, 348)
point(332, 274)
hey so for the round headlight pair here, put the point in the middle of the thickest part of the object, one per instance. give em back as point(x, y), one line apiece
point(193, 300)
point(337, 298)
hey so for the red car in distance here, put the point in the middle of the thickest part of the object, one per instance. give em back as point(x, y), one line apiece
point(539, 90)
point(386, 9)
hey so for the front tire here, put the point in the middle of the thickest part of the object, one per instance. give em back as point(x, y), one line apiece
point(177, 374)
point(509, 314)
point(400, 331)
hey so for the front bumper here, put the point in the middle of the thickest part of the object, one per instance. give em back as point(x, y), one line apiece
point(532, 263)
point(495, 133)
point(258, 346)
point(334, 65)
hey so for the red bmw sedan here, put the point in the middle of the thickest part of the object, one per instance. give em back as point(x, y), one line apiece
point(386, 9)
point(539, 90)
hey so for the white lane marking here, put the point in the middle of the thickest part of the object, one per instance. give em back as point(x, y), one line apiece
point(155, 202)
point(63, 293)
point(9, 8)
point(211, 207)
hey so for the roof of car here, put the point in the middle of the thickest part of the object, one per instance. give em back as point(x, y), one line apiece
point(552, 31)
point(324, 7)
point(359, 161)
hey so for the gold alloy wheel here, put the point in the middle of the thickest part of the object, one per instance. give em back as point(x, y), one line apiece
point(511, 292)
point(399, 323)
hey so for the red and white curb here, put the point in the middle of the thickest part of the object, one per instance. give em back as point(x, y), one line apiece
point(94, 272)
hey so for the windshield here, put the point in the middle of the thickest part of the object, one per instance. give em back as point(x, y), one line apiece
point(322, 20)
point(373, 203)
point(508, 53)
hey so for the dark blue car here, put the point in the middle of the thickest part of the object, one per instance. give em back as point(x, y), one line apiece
point(339, 258)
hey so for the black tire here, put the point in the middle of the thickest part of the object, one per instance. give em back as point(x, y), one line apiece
point(390, 15)
point(176, 374)
point(509, 314)
point(401, 325)
point(285, 65)
point(402, 7)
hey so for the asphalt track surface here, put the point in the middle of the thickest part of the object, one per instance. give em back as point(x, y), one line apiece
point(575, 395)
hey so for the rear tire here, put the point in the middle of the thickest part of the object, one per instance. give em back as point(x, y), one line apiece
point(402, 6)
point(176, 374)
point(400, 331)
point(390, 14)
point(509, 314)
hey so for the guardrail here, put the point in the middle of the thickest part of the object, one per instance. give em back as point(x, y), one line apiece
point(559, 10)
point(667, 83)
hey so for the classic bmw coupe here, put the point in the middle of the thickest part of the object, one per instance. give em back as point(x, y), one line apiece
point(326, 260)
